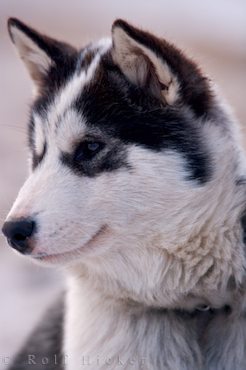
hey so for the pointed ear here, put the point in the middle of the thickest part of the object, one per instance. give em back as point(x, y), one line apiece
point(156, 65)
point(38, 52)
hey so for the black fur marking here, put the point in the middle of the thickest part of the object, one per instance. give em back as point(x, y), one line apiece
point(125, 112)
point(128, 113)
point(122, 111)
point(111, 158)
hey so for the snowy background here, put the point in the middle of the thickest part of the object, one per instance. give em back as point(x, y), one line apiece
point(212, 31)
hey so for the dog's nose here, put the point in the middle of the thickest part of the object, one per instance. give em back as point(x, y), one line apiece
point(18, 233)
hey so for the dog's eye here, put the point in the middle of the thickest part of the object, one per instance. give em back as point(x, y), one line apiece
point(87, 150)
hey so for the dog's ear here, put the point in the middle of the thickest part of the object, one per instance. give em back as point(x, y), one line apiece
point(39, 53)
point(157, 66)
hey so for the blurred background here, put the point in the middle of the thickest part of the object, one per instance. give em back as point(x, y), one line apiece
point(212, 31)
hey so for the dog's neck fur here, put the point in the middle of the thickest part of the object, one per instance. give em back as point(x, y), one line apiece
point(106, 333)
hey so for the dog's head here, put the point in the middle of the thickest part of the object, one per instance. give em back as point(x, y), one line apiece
point(136, 170)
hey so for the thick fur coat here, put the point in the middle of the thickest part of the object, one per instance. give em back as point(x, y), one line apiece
point(137, 188)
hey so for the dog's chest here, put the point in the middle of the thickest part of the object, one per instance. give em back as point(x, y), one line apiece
point(101, 336)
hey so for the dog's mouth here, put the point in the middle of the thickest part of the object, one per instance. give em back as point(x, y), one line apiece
point(74, 253)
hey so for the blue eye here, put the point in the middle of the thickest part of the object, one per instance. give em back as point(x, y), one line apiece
point(87, 150)
point(93, 146)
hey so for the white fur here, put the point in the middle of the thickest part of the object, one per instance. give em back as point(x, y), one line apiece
point(38, 135)
point(136, 243)
point(149, 254)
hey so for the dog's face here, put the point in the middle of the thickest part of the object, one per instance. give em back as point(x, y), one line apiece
point(135, 166)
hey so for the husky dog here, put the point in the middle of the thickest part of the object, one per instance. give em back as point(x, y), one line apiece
point(137, 188)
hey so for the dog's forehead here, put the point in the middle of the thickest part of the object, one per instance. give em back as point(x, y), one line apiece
point(52, 111)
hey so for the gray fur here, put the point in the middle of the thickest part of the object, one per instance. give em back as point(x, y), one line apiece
point(44, 342)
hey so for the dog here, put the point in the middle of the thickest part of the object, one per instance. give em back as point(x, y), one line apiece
point(137, 188)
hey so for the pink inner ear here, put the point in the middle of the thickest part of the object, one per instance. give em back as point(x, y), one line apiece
point(35, 58)
point(38, 51)
point(171, 66)
point(140, 65)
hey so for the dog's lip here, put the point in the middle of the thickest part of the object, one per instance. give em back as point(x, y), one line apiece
point(49, 257)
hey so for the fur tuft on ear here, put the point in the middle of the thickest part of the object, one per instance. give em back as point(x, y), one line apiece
point(38, 52)
point(141, 65)
point(157, 66)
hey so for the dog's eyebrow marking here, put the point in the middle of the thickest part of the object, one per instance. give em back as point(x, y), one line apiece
point(75, 85)
point(70, 130)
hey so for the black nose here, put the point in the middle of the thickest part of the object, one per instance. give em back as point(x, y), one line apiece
point(18, 233)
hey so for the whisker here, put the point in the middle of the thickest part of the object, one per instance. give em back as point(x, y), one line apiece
point(19, 129)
